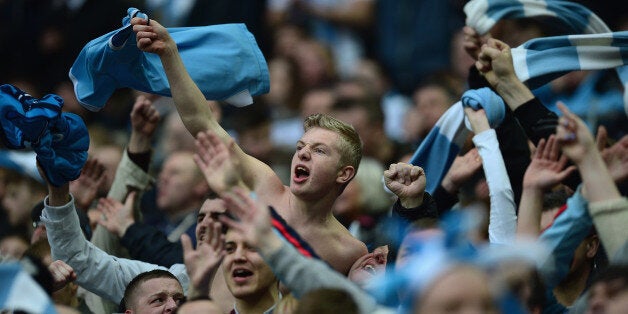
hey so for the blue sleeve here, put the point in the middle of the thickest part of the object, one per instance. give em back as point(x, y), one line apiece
point(563, 237)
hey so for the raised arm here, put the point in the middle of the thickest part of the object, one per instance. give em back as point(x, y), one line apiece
point(191, 104)
point(502, 218)
point(608, 208)
point(544, 172)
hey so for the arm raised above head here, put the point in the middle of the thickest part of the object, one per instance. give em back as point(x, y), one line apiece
point(189, 100)
point(191, 104)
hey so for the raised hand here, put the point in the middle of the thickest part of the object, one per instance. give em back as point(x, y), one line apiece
point(495, 63)
point(477, 119)
point(473, 41)
point(203, 262)
point(62, 274)
point(144, 121)
point(117, 217)
point(615, 157)
point(575, 138)
point(546, 168)
point(407, 182)
point(215, 160)
point(85, 188)
point(253, 219)
point(152, 36)
point(461, 170)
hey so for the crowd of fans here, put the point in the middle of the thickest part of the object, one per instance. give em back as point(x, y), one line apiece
point(306, 200)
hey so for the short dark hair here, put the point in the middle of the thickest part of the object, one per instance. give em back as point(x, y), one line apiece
point(134, 284)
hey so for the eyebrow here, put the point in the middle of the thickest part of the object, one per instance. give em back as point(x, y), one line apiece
point(312, 144)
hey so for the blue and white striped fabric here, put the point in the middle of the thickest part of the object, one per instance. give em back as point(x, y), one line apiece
point(18, 291)
point(571, 17)
point(441, 146)
point(540, 60)
point(223, 60)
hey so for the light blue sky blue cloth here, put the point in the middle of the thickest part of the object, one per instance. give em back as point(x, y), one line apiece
point(223, 60)
point(484, 97)
point(19, 291)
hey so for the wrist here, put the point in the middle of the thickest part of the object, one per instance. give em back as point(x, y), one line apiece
point(124, 227)
point(449, 185)
point(514, 92)
point(58, 196)
point(139, 143)
point(411, 202)
point(269, 242)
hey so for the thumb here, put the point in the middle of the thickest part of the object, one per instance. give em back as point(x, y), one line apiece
point(130, 199)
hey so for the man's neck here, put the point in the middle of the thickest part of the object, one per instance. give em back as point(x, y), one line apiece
point(571, 288)
point(304, 211)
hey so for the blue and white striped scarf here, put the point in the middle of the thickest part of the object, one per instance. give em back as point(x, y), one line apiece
point(536, 62)
point(541, 60)
point(572, 17)
point(441, 146)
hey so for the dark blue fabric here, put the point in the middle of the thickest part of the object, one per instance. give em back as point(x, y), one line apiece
point(24, 118)
point(62, 151)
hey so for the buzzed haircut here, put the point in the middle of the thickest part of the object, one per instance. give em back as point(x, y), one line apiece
point(350, 146)
point(131, 288)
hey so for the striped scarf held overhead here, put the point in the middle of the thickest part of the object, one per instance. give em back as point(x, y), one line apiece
point(536, 62)
point(541, 60)
point(570, 17)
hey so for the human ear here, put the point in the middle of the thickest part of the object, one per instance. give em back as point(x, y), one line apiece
point(345, 174)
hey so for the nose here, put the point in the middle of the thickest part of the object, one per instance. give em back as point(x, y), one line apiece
point(171, 305)
point(304, 153)
point(239, 254)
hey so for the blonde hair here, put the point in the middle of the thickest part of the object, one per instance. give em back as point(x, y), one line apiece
point(350, 144)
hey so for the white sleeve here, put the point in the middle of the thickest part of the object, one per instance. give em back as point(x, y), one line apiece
point(502, 218)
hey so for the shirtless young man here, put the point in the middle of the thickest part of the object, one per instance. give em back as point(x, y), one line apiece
point(326, 158)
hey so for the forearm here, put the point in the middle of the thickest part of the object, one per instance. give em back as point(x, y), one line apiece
point(188, 98)
point(58, 196)
point(529, 218)
point(598, 183)
point(513, 92)
point(502, 218)
point(611, 218)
